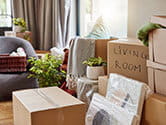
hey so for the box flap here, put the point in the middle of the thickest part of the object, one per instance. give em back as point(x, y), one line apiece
point(156, 65)
point(132, 41)
point(159, 20)
point(45, 98)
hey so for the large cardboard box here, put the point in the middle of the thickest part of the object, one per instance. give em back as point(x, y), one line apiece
point(101, 49)
point(154, 112)
point(128, 57)
point(47, 106)
point(157, 77)
point(157, 41)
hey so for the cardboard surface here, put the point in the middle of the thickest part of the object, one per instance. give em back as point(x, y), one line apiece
point(159, 20)
point(157, 41)
point(157, 45)
point(128, 58)
point(101, 49)
point(157, 77)
point(154, 110)
point(47, 106)
point(102, 85)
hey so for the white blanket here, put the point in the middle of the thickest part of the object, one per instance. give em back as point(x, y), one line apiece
point(80, 50)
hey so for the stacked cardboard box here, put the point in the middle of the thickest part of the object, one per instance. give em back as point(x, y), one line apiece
point(157, 57)
point(155, 107)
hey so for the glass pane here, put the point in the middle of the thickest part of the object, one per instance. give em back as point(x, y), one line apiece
point(5, 21)
point(5, 13)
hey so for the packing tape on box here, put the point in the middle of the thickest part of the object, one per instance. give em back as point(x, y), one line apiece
point(60, 115)
point(46, 97)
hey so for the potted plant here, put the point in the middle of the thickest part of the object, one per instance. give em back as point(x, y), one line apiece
point(19, 25)
point(47, 71)
point(95, 67)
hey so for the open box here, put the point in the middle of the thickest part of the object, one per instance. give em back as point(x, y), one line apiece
point(157, 41)
point(157, 77)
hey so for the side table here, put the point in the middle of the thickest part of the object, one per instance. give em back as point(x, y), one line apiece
point(27, 35)
point(86, 88)
point(41, 53)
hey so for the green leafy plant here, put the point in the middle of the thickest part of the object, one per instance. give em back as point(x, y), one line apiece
point(93, 61)
point(20, 22)
point(47, 71)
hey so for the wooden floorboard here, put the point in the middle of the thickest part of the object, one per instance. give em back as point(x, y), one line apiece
point(6, 115)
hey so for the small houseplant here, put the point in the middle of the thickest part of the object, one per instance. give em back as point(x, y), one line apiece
point(19, 25)
point(95, 67)
point(47, 71)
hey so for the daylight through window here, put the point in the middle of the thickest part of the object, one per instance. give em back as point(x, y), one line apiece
point(5, 13)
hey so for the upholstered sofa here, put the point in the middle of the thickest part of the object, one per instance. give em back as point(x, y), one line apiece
point(10, 82)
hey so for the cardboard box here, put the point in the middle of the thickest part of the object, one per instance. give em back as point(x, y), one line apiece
point(157, 77)
point(128, 57)
point(157, 41)
point(159, 20)
point(47, 106)
point(154, 110)
point(102, 85)
point(101, 49)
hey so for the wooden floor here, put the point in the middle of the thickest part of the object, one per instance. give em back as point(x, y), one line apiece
point(6, 116)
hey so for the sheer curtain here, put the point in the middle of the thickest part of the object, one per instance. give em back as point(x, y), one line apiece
point(47, 19)
point(114, 12)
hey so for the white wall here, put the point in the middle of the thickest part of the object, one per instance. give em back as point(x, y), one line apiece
point(140, 11)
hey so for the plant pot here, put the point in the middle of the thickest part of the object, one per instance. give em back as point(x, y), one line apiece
point(17, 28)
point(93, 72)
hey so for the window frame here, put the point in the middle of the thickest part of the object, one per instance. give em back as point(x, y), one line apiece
point(5, 28)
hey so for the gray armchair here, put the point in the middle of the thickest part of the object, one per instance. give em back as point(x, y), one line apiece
point(15, 81)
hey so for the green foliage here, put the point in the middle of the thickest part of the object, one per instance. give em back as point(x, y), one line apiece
point(93, 61)
point(47, 71)
point(20, 22)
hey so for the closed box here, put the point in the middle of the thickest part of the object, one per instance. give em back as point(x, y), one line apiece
point(47, 106)
point(157, 41)
point(101, 49)
point(128, 57)
point(157, 77)
point(154, 112)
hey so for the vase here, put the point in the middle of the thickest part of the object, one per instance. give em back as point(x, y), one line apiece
point(17, 28)
point(93, 72)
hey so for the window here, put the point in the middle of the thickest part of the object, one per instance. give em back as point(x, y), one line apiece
point(114, 12)
point(5, 16)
